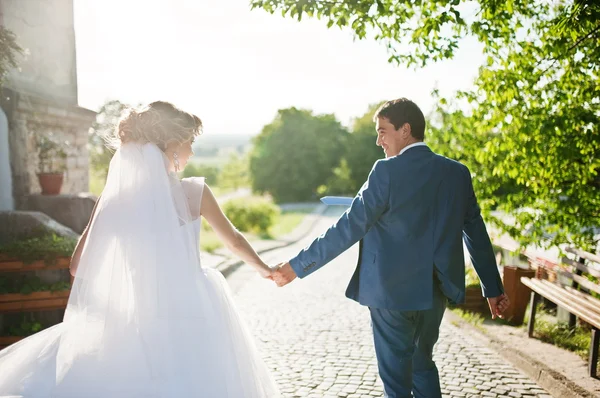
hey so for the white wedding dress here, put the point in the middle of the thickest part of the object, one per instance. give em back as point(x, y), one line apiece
point(144, 319)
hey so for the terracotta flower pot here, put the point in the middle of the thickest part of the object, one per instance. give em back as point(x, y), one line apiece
point(51, 183)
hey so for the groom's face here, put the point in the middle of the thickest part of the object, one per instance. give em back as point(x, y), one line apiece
point(391, 140)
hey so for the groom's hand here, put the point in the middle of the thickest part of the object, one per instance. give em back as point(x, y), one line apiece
point(498, 305)
point(284, 274)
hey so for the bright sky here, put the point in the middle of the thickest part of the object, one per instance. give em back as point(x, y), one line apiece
point(235, 67)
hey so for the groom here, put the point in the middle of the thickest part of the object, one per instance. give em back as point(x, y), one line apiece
point(412, 215)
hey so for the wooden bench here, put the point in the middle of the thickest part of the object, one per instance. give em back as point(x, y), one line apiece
point(571, 291)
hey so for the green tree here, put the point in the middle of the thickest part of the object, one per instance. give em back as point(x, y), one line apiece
point(235, 173)
point(296, 154)
point(531, 136)
point(100, 152)
point(339, 183)
point(362, 150)
point(9, 50)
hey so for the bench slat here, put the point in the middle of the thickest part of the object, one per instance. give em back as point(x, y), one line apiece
point(581, 280)
point(592, 300)
point(575, 298)
point(587, 268)
point(583, 254)
point(560, 298)
point(527, 281)
point(590, 316)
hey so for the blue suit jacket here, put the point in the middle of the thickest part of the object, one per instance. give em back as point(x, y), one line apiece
point(412, 213)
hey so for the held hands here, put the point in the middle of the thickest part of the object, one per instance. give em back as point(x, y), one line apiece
point(498, 305)
point(266, 272)
point(281, 274)
point(284, 274)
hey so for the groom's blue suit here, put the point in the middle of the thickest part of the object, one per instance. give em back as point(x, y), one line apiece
point(412, 215)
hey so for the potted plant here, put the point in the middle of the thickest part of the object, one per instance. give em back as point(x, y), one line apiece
point(48, 251)
point(52, 157)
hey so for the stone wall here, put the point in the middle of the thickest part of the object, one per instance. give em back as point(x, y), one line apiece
point(72, 211)
point(45, 30)
point(40, 96)
point(29, 115)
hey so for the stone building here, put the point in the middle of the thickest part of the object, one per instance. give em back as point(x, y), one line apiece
point(40, 97)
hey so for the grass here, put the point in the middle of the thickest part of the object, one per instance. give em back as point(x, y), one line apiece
point(285, 224)
point(548, 330)
point(559, 334)
point(287, 221)
point(474, 318)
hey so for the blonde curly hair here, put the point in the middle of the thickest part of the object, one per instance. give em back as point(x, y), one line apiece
point(160, 123)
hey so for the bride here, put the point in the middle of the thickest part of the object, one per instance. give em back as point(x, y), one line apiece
point(144, 319)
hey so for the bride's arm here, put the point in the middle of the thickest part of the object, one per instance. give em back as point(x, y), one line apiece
point(233, 239)
point(76, 256)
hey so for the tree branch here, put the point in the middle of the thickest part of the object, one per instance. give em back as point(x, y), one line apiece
point(582, 39)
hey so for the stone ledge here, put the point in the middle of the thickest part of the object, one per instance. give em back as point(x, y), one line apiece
point(73, 211)
point(19, 224)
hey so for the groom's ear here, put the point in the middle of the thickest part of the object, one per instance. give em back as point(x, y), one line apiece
point(406, 130)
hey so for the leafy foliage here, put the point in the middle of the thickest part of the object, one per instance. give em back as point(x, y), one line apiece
point(296, 154)
point(47, 247)
point(235, 173)
point(361, 152)
point(417, 33)
point(340, 183)
point(531, 135)
point(193, 169)
point(251, 214)
point(28, 326)
point(561, 335)
point(100, 152)
point(9, 50)
point(52, 153)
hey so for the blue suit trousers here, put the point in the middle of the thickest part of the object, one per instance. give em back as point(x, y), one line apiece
point(404, 343)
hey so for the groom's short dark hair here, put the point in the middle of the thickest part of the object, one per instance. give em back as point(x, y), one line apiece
point(403, 110)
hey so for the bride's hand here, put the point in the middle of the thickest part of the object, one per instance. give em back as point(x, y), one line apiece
point(266, 272)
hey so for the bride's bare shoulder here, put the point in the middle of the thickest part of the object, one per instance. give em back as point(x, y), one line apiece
point(194, 188)
point(193, 184)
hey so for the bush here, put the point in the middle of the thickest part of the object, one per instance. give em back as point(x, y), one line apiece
point(254, 214)
point(47, 247)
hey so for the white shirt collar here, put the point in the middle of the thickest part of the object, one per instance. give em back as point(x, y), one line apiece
point(412, 146)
